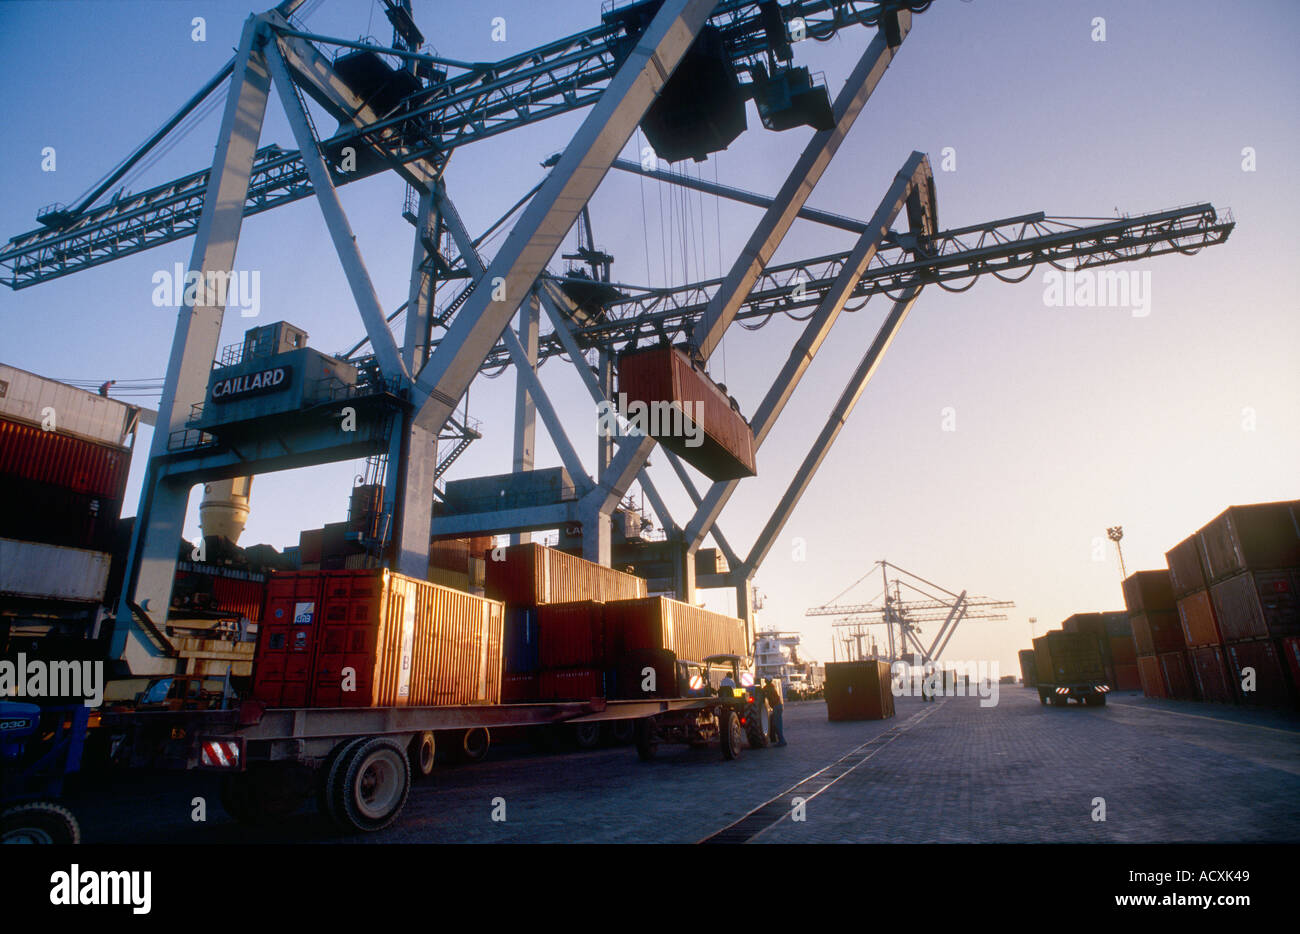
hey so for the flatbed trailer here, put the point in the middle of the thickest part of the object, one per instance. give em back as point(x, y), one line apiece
point(358, 761)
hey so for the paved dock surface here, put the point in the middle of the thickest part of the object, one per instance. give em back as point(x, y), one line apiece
point(951, 771)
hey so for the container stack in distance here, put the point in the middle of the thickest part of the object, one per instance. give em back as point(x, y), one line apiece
point(1158, 636)
point(1113, 632)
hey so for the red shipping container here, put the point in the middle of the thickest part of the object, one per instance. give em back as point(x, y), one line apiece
point(1159, 632)
point(572, 684)
point(1258, 605)
point(1178, 677)
point(718, 441)
point(692, 632)
point(1263, 658)
point(1127, 677)
point(1196, 616)
point(408, 642)
point(1123, 651)
point(1258, 537)
point(1151, 676)
point(520, 687)
point(1291, 655)
point(859, 691)
point(534, 575)
point(1211, 674)
point(572, 635)
point(29, 453)
point(1186, 566)
point(1148, 592)
point(234, 595)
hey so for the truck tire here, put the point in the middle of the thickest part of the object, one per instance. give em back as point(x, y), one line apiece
point(587, 735)
point(374, 785)
point(732, 736)
point(39, 822)
point(331, 777)
point(474, 744)
point(647, 739)
point(622, 732)
point(422, 750)
point(759, 727)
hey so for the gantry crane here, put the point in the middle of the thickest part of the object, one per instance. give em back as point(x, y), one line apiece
point(406, 110)
point(904, 615)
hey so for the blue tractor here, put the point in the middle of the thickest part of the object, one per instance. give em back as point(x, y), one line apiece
point(39, 747)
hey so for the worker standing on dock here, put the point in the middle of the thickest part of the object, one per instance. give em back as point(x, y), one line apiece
point(773, 695)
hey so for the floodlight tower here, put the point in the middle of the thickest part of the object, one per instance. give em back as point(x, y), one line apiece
point(1115, 533)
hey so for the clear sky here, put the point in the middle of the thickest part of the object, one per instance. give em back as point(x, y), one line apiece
point(1068, 420)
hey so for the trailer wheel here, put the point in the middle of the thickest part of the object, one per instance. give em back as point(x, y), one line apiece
point(586, 735)
point(39, 822)
point(331, 777)
point(622, 732)
point(375, 785)
point(269, 791)
point(474, 744)
point(422, 751)
point(733, 735)
point(647, 739)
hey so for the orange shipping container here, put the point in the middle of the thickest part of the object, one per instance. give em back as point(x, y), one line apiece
point(691, 632)
point(1196, 614)
point(534, 575)
point(408, 642)
point(1152, 677)
point(1127, 677)
point(859, 691)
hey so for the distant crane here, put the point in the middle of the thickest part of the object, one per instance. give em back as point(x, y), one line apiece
point(904, 615)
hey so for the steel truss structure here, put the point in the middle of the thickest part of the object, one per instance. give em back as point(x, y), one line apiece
point(419, 377)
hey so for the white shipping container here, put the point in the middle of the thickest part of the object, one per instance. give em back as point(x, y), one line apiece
point(24, 397)
point(33, 569)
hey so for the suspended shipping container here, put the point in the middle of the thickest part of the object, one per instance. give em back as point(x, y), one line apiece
point(705, 427)
point(50, 457)
point(26, 397)
point(533, 575)
point(858, 691)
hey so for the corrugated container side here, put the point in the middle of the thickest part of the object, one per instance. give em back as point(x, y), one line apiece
point(520, 687)
point(49, 457)
point(1271, 685)
point(692, 632)
point(1151, 676)
point(1155, 633)
point(572, 684)
point(1148, 592)
point(1211, 674)
point(1178, 679)
point(1118, 624)
point(522, 640)
point(1028, 672)
point(244, 597)
point(572, 634)
point(1186, 566)
point(1122, 650)
point(858, 691)
point(1196, 615)
point(286, 639)
point(31, 569)
point(1127, 677)
point(533, 575)
point(1068, 656)
point(24, 397)
point(1261, 536)
point(1291, 655)
point(1258, 605)
point(458, 647)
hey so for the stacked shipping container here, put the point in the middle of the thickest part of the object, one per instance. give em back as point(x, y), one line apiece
point(1158, 636)
point(407, 642)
